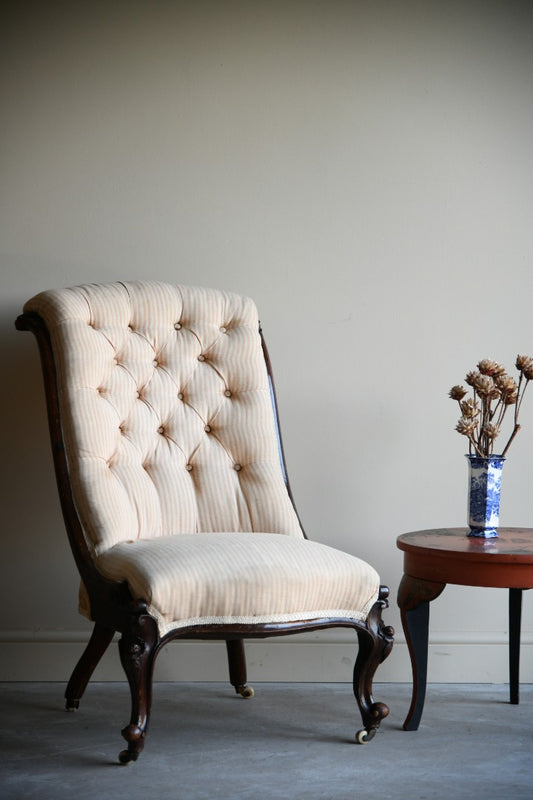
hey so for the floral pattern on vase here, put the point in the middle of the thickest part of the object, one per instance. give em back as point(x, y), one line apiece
point(485, 478)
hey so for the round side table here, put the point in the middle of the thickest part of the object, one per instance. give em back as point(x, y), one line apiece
point(433, 558)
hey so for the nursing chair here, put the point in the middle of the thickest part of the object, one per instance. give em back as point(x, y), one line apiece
point(174, 492)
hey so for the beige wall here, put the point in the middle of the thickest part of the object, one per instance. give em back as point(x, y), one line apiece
point(364, 170)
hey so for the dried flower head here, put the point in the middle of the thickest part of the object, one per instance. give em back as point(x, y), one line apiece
point(469, 408)
point(490, 430)
point(488, 367)
point(466, 426)
point(457, 392)
point(522, 362)
point(472, 376)
point(509, 398)
point(528, 372)
point(506, 384)
point(485, 386)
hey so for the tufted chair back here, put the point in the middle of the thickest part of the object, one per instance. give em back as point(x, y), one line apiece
point(174, 430)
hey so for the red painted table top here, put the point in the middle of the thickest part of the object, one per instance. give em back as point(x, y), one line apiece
point(451, 556)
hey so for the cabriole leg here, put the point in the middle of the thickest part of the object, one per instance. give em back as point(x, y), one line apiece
point(98, 643)
point(375, 644)
point(137, 654)
point(414, 597)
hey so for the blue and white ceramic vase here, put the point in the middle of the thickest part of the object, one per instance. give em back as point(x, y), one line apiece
point(484, 484)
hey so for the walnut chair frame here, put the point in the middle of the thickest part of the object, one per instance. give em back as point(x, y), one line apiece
point(114, 610)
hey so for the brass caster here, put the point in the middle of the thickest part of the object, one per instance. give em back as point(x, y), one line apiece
point(246, 691)
point(125, 757)
point(363, 736)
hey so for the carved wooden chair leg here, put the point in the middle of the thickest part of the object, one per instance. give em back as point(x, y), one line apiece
point(137, 654)
point(237, 667)
point(98, 643)
point(375, 644)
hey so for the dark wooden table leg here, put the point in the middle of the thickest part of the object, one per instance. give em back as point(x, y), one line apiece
point(414, 596)
point(515, 618)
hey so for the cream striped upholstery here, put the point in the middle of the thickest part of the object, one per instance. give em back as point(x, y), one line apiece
point(242, 578)
point(173, 457)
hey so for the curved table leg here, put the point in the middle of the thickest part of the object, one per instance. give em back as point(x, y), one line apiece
point(414, 596)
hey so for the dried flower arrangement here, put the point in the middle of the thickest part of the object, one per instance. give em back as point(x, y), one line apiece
point(493, 391)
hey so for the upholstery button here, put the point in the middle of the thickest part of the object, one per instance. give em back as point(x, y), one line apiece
point(115, 361)
point(201, 357)
point(227, 393)
point(130, 327)
point(137, 395)
point(160, 429)
point(207, 428)
point(180, 395)
point(155, 362)
point(177, 325)
point(188, 467)
point(223, 329)
point(237, 467)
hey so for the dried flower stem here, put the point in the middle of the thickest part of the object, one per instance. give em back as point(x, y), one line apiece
point(507, 446)
point(520, 397)
point(473, 444)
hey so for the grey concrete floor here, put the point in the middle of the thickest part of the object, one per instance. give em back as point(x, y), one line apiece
point(289, 741)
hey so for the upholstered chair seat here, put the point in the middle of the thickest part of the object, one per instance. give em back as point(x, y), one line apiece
point(240, 578)
point(174, 489)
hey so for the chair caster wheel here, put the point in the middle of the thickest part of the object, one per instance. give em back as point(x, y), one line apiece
point(72, 705)
point(246, 691)
point(363, 736)
point(125, 757)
